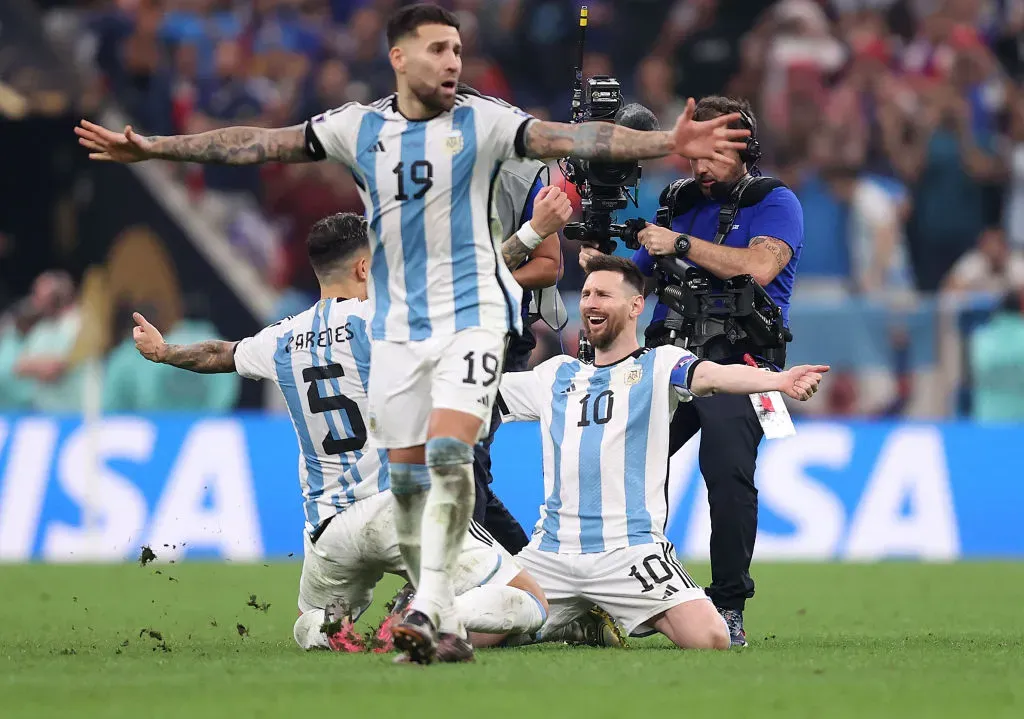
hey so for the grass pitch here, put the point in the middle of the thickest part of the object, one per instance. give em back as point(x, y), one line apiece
point(166, 640)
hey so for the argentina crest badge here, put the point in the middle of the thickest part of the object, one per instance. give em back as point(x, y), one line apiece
point(453, 142)
point(633, 375)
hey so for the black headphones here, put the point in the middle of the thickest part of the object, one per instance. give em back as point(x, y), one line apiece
point(752, 154)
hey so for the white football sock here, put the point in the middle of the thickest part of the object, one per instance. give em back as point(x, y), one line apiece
point(409, 486)
point(307, 630)
point(499, 610)
point(445, 524)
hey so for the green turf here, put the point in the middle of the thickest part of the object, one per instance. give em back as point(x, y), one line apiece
point(827, 641)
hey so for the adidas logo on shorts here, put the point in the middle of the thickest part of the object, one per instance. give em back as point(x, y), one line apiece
point(669, 591)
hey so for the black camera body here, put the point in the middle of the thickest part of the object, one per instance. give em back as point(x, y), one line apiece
point(603, 187)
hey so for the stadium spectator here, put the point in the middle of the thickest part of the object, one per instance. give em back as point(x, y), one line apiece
point(1014, 204)
point(992, 266)
point(15, 392)
point(997, 364)
point(55, 385)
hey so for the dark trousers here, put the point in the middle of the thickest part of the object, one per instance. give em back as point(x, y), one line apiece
point(489, 510)
point(730, 434)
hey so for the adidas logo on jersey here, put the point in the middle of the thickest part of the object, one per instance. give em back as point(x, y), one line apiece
point(669, 591)
point(377, 147)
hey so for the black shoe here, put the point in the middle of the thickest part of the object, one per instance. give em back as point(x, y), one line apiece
point(734, 620)
point(417, 637)
point(453, 649)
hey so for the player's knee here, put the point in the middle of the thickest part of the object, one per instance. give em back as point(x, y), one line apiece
point(448, 452)
point(525, 581)
point(718, 636)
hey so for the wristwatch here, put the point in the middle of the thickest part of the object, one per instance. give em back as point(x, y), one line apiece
point(682, 245)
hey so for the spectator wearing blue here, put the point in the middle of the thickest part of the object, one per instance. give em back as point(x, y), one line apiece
point(764, 240)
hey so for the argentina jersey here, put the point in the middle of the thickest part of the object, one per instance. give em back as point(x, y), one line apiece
point(426, 187)
point(605, 436)
point(320, 360)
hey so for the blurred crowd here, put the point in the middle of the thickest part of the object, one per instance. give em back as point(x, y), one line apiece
point(898, 123)
point(49, 360)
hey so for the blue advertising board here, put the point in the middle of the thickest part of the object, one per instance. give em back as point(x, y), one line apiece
point(226, 487)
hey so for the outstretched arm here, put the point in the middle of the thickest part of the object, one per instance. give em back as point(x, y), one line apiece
point(800, 382)
point(209, 357)
point(225, 146)
point(606, 142)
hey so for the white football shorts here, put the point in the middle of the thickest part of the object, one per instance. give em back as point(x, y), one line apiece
point(632, 584)
point(359, 546)
point(410, 379)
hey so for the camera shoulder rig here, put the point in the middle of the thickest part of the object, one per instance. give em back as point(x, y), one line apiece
point(683, 195)
point(717, 324)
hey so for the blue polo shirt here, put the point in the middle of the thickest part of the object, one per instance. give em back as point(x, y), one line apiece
point(778, 215)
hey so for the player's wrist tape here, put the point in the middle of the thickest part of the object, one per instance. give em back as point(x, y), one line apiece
point(528, 236)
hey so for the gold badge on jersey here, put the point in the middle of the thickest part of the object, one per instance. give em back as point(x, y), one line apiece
point(633, 375)
point(454, 143)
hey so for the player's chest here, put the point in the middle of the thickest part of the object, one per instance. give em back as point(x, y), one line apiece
point(608, 397)
point(417, 162)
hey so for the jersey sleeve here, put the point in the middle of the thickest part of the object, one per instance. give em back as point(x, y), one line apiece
point(779, 215)
point(332, 134)
point(519, 396)
point(504, 126)
point(681, 365)
point(254, 356)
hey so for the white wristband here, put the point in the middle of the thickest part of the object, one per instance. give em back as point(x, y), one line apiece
point(528, 236)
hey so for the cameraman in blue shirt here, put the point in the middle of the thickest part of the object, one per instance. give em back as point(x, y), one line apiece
point(764, 239)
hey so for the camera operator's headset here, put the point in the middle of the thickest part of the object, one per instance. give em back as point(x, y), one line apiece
point(681, 195)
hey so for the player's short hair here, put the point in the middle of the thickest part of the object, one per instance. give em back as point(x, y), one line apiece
point(334, 239)
point(408, 20)
point(630, 273)
point(712, 106)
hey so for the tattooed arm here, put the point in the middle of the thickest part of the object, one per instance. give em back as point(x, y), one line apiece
point(603, 141)
point(763, 258)
point(226, 146)
point(209, 357)
point(594, 141)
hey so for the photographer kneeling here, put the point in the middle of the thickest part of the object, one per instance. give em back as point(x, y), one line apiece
point(727, 223)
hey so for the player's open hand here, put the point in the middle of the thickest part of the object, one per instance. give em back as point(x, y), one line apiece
point(148, 340)
point(110, 146)
point(552, 208)
point(801, 382)
point(709, 139)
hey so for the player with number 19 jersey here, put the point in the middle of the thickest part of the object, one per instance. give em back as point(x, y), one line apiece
point(426, 186)
point(320, 359)
point(442, 300)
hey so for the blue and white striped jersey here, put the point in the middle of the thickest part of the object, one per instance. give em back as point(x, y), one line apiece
point(320, 360)
point(605, 434)
point(427, 189)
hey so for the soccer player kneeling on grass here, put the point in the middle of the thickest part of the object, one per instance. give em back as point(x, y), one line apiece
point(605, 431)
point(320, 360)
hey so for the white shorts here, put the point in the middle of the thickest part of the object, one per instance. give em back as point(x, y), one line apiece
point(632, 584)
point(360, 545)
point(409, 379)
